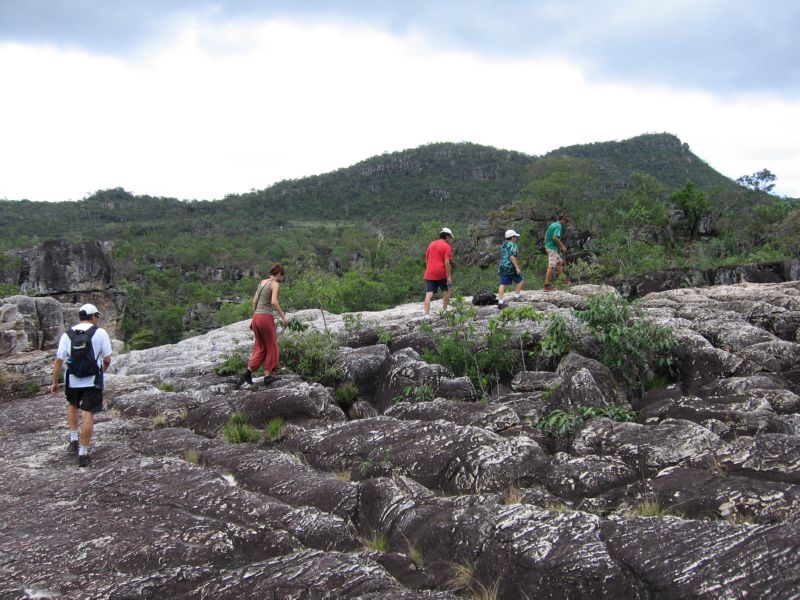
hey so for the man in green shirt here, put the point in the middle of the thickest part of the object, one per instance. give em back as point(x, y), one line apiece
point(554, 245)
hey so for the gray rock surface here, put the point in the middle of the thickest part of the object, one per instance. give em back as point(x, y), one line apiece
point(445, 498)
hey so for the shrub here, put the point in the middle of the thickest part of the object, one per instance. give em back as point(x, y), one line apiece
point(415, 393)
point(237, 430)
point(234, 364)
point(311, 354)
point(346, 394)
point(563, 423)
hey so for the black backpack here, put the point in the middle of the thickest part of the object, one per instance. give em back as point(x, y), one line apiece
point(82, 362)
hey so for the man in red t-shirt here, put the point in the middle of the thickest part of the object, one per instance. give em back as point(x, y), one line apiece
point(437, 271)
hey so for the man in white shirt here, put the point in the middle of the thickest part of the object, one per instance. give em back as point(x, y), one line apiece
point(86, 392)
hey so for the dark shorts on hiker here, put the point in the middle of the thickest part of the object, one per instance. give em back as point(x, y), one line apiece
point(431, 285)
point(89, 399)
point(509, 279)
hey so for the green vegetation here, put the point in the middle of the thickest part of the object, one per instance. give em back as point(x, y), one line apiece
point(621, 336)
point(311, 354)
point(564, 423)
point(166, 386)
point(354, 239)
point(376, 543)
point(234, 364)
point(346, 394)
point(237, 430)
point(415, 393)
point(487, 356)
point(274, 429)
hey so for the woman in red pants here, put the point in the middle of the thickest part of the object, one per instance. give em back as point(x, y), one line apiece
point(265, 308)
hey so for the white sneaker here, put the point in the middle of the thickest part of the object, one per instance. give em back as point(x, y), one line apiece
point(517, 296)
point(427, 317)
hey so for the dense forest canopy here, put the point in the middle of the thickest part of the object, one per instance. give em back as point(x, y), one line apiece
point(354, 239)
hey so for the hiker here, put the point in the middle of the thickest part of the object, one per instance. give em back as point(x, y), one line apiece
point(437, 269)
point(553, 244)
point(86, 350)
point(265, 308)
point(509, 270)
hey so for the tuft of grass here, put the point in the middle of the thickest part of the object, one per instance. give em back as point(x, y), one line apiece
point(166, 386)
point(192, 456)
point(415, 554)
point(346, 394)
point(237, 430)
point(184, 413)
point(158, 421)
point(377, 542)
point(274, 429)
point(463, 578)
point(740, 519)
point(512, 496)
point(30, 389)
point(651, 508)
point(342, 475)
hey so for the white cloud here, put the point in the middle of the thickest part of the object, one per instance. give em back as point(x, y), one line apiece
point(224, 109)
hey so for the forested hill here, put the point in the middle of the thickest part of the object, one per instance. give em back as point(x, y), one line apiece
point(663, 156)
point(355, 238)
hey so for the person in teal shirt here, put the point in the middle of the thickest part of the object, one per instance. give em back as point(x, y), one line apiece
point(509, 271)
point(554, 246)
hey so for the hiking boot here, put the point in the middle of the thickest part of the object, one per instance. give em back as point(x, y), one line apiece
point(84, 460)
point(247, 377)
point(271, 379)
point(72, 448)
point(548, 288)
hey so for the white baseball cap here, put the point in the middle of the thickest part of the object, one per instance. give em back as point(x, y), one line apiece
point(511, 233)
point(447, 231)
point(89, 309)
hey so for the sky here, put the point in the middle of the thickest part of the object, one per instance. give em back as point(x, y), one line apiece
point(201, 99)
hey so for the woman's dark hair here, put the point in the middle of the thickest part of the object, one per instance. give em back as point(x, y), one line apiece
point(276, 269)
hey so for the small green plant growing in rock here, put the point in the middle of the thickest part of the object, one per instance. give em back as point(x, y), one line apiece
point(562, 423)
point(31, 389)
point(415, 393)
point(192, 456)
point(158, 421)
point(183, 413)
point(557, 340)
point(166, 386)
point(342, 475)
point(274, 429)
point(385, 336)
point(415, 554)
point(650, 507)
point(237, 430)
point(234, 364)
point(377, 543)
point(464, 578)
point(512, 496)
point(346, 394)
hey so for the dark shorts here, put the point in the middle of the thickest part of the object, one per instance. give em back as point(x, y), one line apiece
point(431, 285)
point(89, 399)
point(509, 279)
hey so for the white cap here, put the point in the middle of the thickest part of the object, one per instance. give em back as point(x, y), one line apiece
point(447, 231)
point(89, 309)
point(511, 233)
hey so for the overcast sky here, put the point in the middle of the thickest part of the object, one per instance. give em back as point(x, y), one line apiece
point(199, 99)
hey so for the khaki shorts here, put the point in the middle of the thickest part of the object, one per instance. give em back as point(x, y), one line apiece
point(553, 258)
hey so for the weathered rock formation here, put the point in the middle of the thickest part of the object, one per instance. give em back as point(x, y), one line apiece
point(72, 274)
point(443, 498)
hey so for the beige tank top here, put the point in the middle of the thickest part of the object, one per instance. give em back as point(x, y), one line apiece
point(264, 302)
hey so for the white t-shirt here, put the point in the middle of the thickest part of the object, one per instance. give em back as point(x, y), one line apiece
point(102, 347)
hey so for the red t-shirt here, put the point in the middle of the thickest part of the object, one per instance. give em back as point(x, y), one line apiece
point(438, 251)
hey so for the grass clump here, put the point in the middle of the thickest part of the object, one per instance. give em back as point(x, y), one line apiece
point(562, 423)
point(377, 543)
point(192, 456)
point(237, 430)
point(166, 386)
point(346, 394)
point(159, 421)
point(274, 429)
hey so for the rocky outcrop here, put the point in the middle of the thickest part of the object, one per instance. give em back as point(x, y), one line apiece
point(420, 489)
point(73, 274)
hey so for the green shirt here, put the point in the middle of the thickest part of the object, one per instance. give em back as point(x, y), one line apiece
point(552, 232)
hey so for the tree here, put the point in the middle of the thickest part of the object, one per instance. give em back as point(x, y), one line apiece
point(694, 203)
point(761, 181)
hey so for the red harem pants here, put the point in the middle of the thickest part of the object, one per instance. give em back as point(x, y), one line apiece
point(266, 346)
